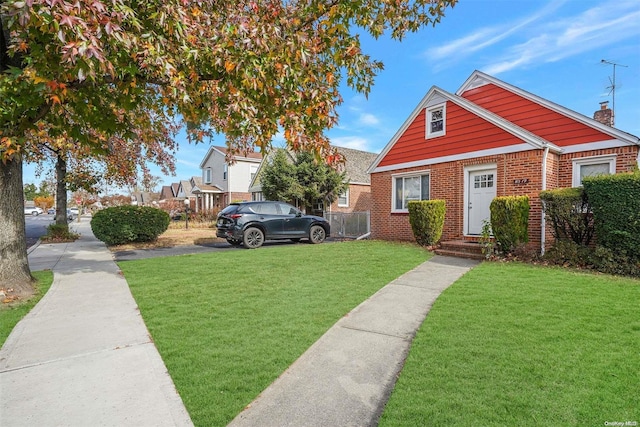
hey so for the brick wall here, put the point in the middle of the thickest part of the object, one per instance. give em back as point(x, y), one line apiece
point(359, 200)
point(517, 174)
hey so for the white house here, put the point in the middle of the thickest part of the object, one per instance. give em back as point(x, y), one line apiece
point(224, 182)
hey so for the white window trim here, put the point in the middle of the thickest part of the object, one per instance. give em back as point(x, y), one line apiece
point(225, 172)
point(428, 111)
point(594, 160)
point(406, 175)
point(346, 196)
point(207, 176)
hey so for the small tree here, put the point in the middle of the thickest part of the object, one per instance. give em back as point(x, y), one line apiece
point(303, 178)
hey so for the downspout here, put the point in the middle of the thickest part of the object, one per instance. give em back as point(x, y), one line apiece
point(543, 221)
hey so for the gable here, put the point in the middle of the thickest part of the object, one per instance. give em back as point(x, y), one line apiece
point(549, 124)
point(465, 132)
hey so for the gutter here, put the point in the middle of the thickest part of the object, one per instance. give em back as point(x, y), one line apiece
point(543, 221)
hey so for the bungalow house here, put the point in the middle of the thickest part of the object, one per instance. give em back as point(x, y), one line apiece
point(224, 182)
point(489, 139)
point(357, 197)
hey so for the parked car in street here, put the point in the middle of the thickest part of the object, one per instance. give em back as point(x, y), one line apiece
point(35, 211)
point(74, 211)
point(251, 223)
point(51, 211)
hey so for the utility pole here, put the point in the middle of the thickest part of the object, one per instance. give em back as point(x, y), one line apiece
point(613, 89)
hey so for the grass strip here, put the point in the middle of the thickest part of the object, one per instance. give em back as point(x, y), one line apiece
point(512, 344)
point(11, 314)
point(227, 324)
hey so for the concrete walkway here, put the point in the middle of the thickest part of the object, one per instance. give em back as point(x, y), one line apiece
point(83, 356)
point(346, 377)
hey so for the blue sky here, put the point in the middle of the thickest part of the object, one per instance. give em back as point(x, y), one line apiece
point(550, 48)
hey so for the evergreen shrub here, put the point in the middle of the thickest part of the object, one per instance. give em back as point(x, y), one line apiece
point(569, 213)
point(615, 201)
point(124, 224)
point(427, 220)
point(510, 221)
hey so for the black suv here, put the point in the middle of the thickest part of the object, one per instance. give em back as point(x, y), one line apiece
point(251, 223)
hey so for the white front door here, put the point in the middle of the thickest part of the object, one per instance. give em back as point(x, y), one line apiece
point(482, 190)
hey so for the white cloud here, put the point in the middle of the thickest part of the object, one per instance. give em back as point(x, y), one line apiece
point(600, 26)
point(368, 119)
point(355, 142)
point(486, 37)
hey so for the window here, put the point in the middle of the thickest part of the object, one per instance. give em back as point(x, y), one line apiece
point(254, 169)
point(408, 188)
point(436, 121)
point(257, 196)
point(590, 166)
point(225, 171)
point(207, 176)
point(343, 199)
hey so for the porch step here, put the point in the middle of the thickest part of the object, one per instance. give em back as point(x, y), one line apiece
point(461, 249)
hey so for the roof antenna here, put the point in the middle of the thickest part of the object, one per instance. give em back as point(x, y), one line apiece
point(613, 88)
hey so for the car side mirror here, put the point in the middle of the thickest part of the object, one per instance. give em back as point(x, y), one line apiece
point(298, 214)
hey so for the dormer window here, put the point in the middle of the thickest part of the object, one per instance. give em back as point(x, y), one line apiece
point(436, 121)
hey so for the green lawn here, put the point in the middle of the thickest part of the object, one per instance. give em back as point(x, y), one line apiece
point(520, 345)
point(227, 324)
point(11, 315)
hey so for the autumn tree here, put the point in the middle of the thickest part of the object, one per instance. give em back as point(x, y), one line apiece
point(246, 69)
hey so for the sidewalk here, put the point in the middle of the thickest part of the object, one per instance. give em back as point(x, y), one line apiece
point(83, 356)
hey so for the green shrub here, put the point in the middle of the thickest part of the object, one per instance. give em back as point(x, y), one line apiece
point(427, 220)
point(510, 221)
point(618, 262)
point(568, 253)
point(615, 201)
point(123, 224)
point(569, 212)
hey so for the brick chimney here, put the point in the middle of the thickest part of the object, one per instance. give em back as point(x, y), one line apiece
point(604, 115)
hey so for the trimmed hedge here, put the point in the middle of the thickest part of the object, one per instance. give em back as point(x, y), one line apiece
point(510, 221)
point(427, 220)
point(615, 201)
point(123, 224)
point(569, 213)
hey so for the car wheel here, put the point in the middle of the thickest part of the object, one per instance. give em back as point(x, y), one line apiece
point(253, 238)
point(317, 234)
point(234, 242)
point(34, 213)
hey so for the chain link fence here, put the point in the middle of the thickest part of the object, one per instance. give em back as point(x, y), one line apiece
point(349, 225)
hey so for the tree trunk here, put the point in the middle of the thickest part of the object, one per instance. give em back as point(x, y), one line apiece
point(14, 265)
point(61, 192)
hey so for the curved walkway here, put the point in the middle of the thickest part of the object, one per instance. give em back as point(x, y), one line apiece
point(83, 356)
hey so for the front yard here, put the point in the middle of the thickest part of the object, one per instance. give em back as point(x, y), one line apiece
point(508, 344)
point(515, 344)
point(228, 323)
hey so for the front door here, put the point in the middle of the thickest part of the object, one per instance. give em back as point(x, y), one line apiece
point(482, 190)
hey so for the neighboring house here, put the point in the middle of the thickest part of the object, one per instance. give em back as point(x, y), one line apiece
point(185, 192)
point(166, 194)
point(223, 183)
point(489, 139)
point(143, 198)
point(357, 198)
